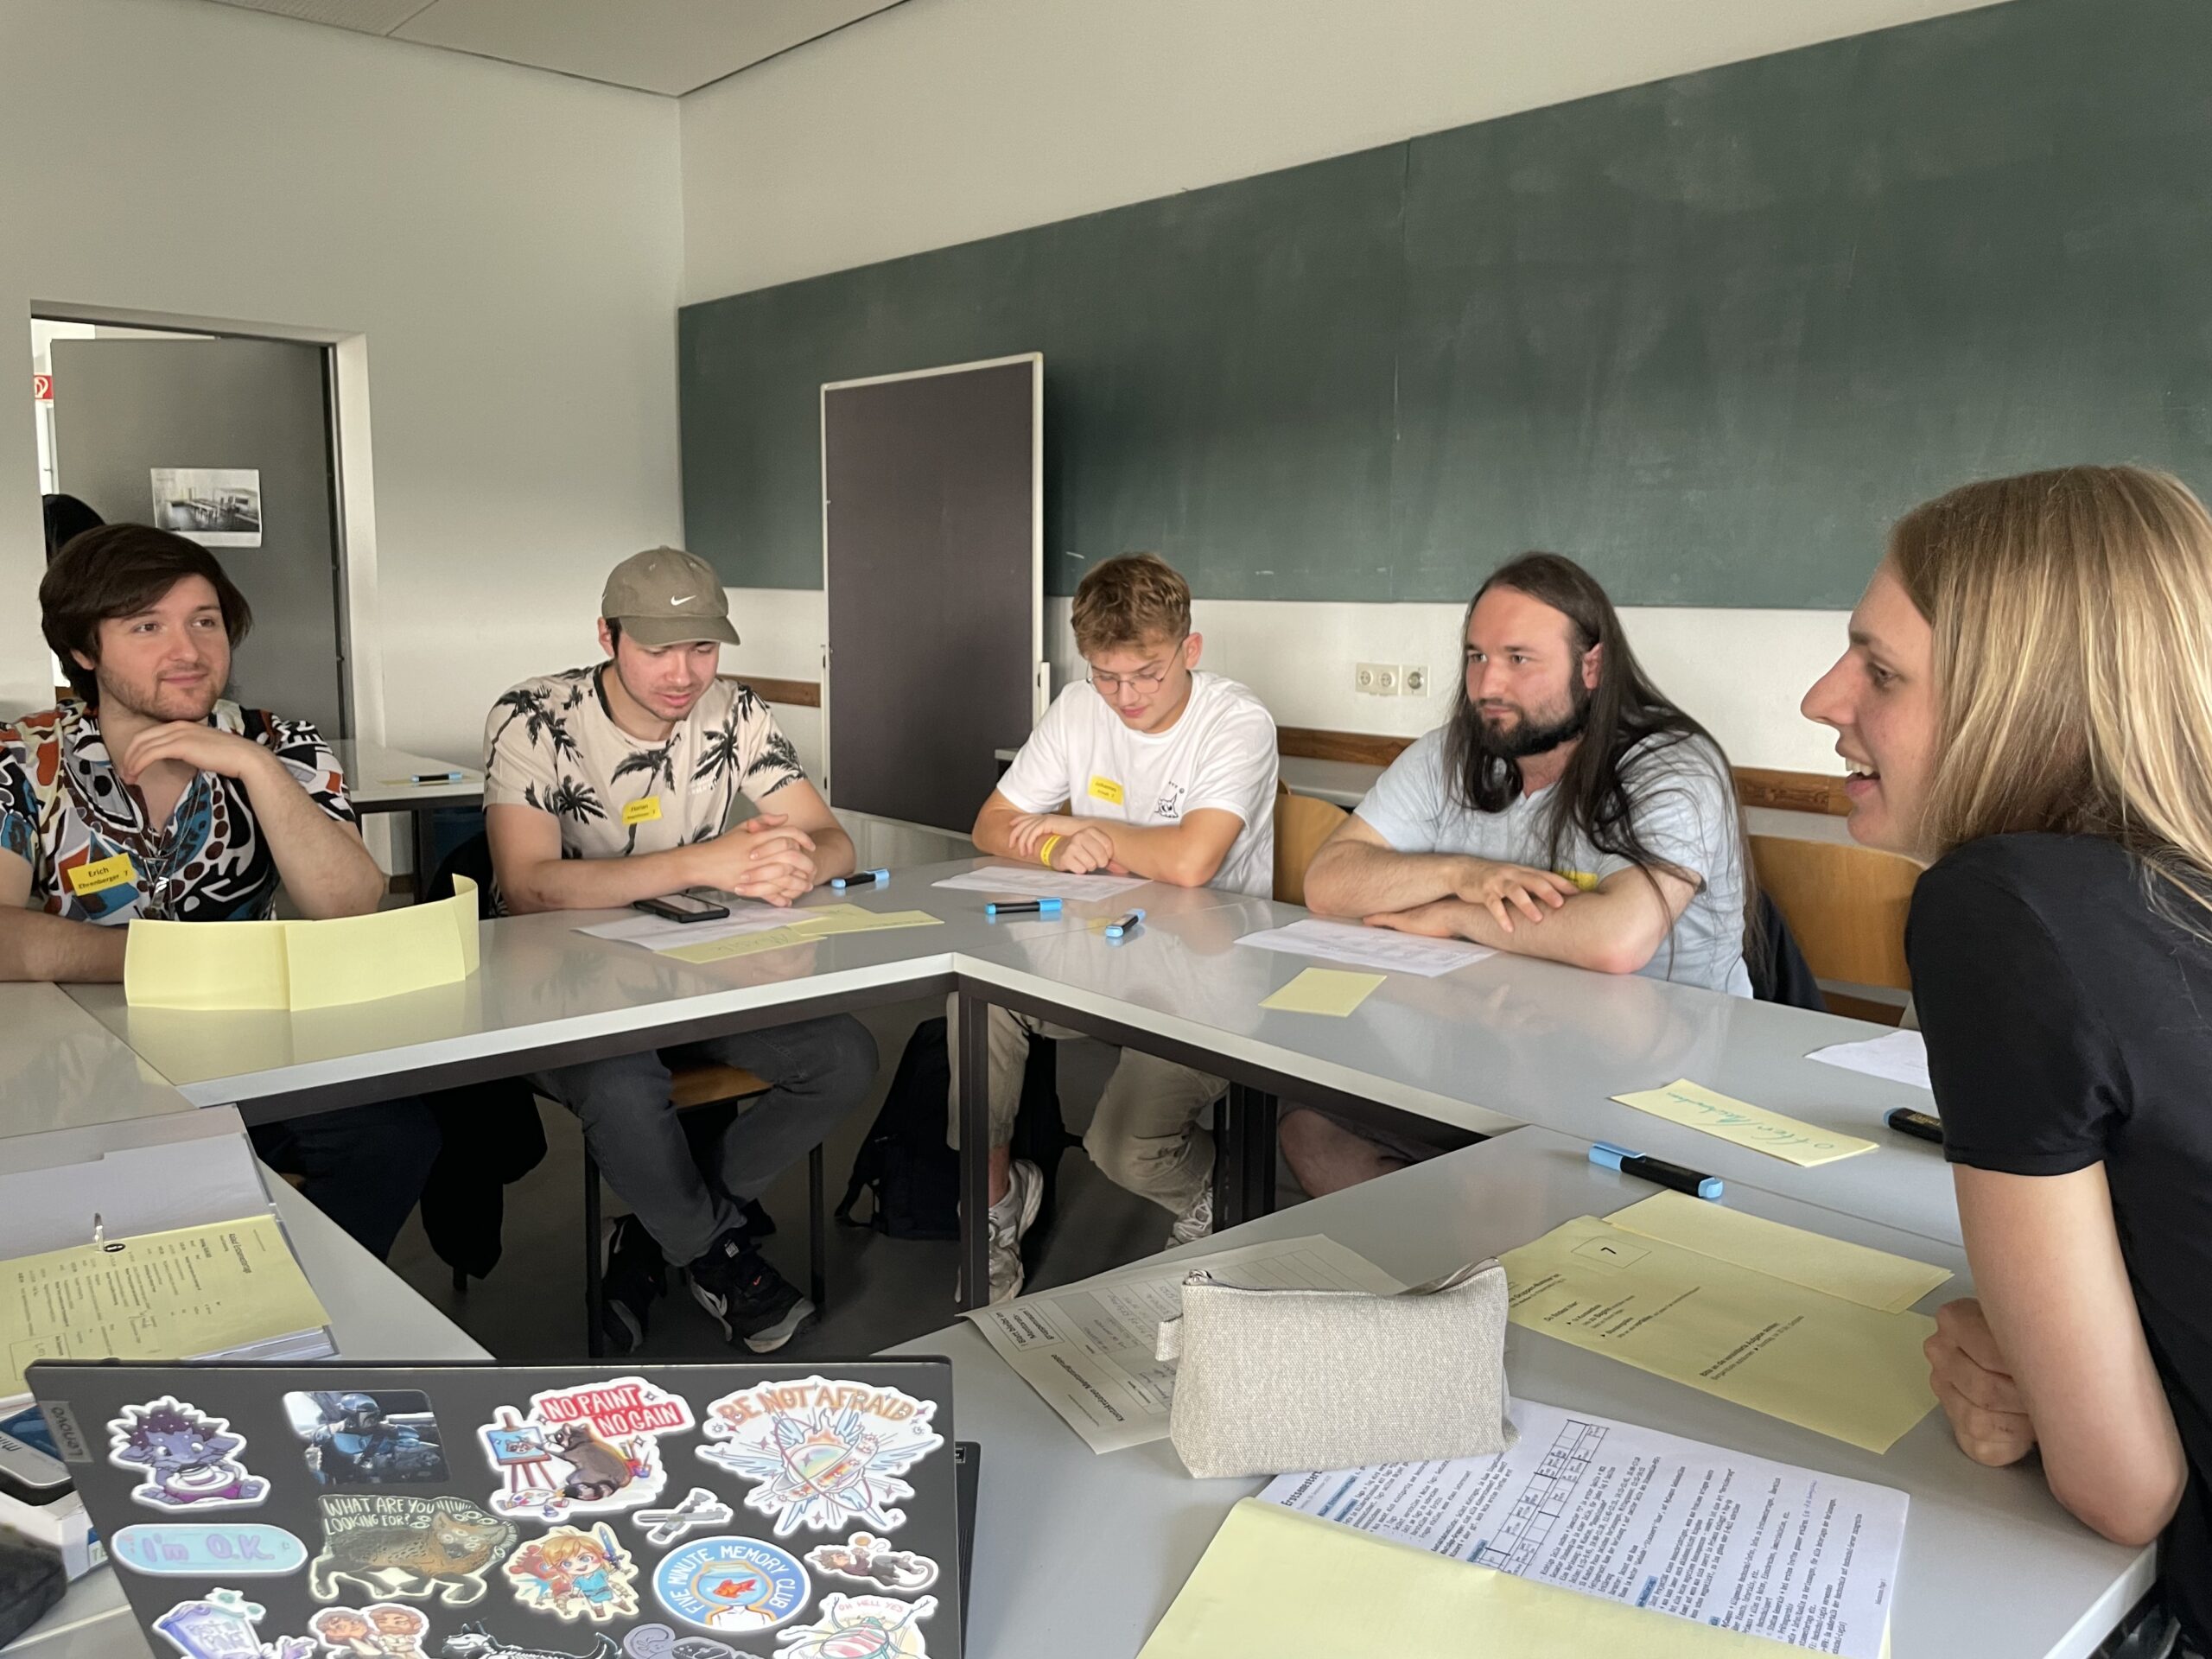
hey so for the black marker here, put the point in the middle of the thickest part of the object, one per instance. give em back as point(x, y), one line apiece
point(1031, 908)
point(860, 878)
point(1920, 1126)
point(1656, 1169)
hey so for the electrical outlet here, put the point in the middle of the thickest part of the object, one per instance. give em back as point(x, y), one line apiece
point(1413, 680)
point(1386, 680)
point(1363, 678)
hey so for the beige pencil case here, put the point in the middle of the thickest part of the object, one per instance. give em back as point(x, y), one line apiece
point(1272, 1380)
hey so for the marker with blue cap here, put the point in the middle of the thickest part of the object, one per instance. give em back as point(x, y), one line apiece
point(1126, 925)
point(1656, 1169)
point(860, 878)
point(1027, 907)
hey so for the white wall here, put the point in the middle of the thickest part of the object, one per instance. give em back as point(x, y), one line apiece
point(940, 121)
point(504, 246)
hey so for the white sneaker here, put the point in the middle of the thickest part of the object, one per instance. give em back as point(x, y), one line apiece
point(1196, 1220)
point(1012, 1216)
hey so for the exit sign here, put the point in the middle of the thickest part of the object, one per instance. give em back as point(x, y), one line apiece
point(43, 388)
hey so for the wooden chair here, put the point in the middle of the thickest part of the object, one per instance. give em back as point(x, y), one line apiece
point(1845, 904)
point(691, 1087)
point(1302, 824)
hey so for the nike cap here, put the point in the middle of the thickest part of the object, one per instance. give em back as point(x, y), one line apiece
point(665, 596)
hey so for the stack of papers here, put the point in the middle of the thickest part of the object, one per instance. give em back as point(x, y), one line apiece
point(1634, 1516)
point(229, 1290)
point(752, 926)
point(1369, 947)
point(1089, 1348)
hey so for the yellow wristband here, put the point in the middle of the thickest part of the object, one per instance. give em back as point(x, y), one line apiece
point(1045, 853)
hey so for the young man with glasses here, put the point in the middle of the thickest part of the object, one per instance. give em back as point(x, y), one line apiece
point(1152, 769)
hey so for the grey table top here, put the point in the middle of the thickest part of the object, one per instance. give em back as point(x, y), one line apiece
point(373, 1315)
point(376, 778)
point(1078, 1555)
point(60, 1068)
point(1507, 1041)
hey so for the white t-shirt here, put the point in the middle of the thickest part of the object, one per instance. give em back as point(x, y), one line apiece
point(1219, 753)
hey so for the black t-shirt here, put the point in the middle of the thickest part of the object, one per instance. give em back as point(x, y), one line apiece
point(2070, 1022)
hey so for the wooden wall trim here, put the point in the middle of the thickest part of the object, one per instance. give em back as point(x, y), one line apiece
point(798, 694)
point(1361, 748)
point(1792, 792)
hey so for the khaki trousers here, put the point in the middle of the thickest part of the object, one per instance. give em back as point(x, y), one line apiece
point(1144, 1134)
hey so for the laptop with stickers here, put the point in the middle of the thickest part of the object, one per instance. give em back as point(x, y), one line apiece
point(336, 1511)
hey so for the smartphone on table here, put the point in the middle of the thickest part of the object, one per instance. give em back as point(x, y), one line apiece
point(681, 907)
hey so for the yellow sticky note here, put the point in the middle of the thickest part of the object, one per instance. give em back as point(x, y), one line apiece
point(645, 812)
point(1322, 990)
point(1274, 1582)
point(1106, 789)
point(1871, 1278)
point(1853, 1373)
point(359, 958)
point(851, 918)
point(206, 965)
point(1582, 879)
point(1696, 1107)
point(99, 876)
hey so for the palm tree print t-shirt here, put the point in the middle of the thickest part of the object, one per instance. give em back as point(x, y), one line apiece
point(552, 743)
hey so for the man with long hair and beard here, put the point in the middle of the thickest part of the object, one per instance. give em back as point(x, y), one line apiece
point(1568, 811)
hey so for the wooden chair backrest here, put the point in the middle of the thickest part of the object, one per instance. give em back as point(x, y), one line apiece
point(1302, 824)
point(1845, 904)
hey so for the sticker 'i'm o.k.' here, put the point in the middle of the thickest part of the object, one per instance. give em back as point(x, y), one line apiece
point(861, 1627)
point(824, 1453)
point(593, 1449)
point(188, 1460)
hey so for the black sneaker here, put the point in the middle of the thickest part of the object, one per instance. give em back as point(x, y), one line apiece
point(752, 1302)
point(636, 1277)
point(758, 1222)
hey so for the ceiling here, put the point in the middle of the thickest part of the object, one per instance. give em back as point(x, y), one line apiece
point(671, 47)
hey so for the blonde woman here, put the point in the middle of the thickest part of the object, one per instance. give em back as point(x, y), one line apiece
point(2026, 704)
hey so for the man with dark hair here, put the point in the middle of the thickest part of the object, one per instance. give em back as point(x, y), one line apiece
point(607, 784)
point(157, 798)
point(1568, 811)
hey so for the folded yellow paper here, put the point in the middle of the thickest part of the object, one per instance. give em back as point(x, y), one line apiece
point(300, 965)
point(1322, 990)
point(1276, 1583)
point(1830, 1366)
point(741, 945)
point(851, 918)
point(1871, 1278)
point(1696, 1107)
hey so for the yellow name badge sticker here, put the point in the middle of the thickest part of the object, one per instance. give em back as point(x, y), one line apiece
point(1581, 878)
point(642, 812)
point(87, 879)
point(1106, 789)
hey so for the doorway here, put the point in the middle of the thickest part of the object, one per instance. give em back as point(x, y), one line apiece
point(230, 440)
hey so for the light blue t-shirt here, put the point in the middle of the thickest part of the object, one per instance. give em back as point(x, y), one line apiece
point(1685, 813)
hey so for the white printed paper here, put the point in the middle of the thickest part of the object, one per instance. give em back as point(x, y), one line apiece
point(1040, 883)
point(1369, 947)
point(1901, 1056)
point(1088, 1348)
point(658, 933)
point(1632, 1515)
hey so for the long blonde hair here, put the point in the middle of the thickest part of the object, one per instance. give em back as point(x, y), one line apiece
point(2072, 613)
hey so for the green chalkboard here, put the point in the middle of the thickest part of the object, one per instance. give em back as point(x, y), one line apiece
point(1708, 335)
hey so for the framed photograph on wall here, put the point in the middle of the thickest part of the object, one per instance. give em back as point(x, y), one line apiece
point(216, 506)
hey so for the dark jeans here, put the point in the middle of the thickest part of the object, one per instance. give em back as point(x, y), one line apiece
point(820, 1070)
point(363, 1166)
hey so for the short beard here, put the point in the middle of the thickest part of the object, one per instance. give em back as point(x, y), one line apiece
point(114, 694)
point(1527, 738)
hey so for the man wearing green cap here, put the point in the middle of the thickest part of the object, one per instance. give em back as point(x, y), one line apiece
point(607, 784)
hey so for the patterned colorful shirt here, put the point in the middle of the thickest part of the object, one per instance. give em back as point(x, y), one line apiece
point(552, 744)
point(64, 811)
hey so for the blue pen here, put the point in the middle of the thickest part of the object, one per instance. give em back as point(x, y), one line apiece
point(1027, 907)
point(1656, 1169)
point(1115, 930)
point(860, 878)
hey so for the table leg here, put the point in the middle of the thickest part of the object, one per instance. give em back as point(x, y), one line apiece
point(1245, 1185)
point(971, 1031)
point(426, 851)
